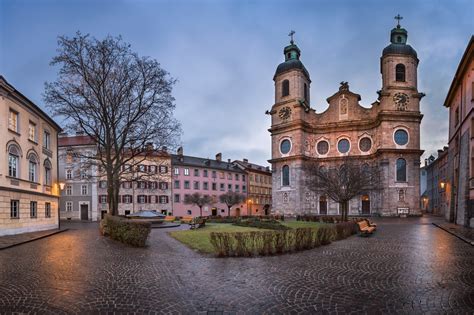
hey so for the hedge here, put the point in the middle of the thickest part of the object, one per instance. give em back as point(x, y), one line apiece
point(127, 231)
point(270, 224)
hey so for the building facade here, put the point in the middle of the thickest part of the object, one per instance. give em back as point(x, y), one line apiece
point(146, 187)
point(437, 190)
point(207, 177)
point(259, 183)
point(79, 194)
point(29, 189)
point(386, 135)
point(460, 102)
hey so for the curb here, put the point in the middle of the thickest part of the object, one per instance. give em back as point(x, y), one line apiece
point(452, 233)
point(34, 239)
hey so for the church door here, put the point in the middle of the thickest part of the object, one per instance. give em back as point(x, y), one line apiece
point(323, 205)
point(365, 204)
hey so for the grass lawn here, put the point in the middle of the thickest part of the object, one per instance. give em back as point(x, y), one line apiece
point(200, 239)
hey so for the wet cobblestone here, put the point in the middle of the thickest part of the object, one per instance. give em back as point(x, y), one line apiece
point(408, 266)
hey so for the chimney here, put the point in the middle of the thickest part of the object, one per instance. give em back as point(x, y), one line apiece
point(426, 162)
point(246, 160)
point(180, 151)
point(149, 146)
point(228, 160)
point(79, 133)
point(219, 157)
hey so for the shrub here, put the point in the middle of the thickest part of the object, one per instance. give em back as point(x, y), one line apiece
point(256, 222)
point(345, 229)
point(127, 231)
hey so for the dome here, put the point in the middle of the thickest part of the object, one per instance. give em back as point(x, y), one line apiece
point(291, 64)
point(399, 49)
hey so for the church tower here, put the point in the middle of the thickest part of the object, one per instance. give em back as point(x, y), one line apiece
point(398, 65)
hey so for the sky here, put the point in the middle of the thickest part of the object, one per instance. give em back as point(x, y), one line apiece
point(224, 54)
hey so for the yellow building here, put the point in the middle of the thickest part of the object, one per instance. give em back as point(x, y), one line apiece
point(28, 165)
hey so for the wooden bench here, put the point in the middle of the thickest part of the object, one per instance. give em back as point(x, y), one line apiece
point(170, 218)
point(371, 224)
point(187, 219)
point(198, 223)
point(364, 228)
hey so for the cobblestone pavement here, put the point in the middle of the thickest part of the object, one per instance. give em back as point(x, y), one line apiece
point(408, 266)
point(8, 241)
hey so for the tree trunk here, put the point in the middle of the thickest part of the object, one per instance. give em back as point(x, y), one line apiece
point(344, 209)
point(113, 209)
point(228, 211)
point(200, 211)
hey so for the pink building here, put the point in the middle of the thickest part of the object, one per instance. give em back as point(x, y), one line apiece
point(208, 177)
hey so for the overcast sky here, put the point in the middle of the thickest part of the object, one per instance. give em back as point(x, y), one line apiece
point(224, 55)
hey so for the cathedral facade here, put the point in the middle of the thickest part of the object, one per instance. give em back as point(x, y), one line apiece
point(386, 135)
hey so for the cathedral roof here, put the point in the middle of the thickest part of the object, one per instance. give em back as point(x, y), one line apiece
point(398, 42)
point(291, 65)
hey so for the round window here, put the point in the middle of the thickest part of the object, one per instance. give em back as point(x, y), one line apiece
point(323, 147)
point(285, 146)
point(401, 137)
point(343, 146)
point(365, 144)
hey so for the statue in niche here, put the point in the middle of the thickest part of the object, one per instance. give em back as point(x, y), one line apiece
point(343, 106)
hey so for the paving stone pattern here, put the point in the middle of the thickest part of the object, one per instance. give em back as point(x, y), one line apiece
point(409, 266)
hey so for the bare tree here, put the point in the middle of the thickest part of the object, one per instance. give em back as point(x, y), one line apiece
point(342, 182)
point(231, 198)
point(121, 100)
point(198, 200)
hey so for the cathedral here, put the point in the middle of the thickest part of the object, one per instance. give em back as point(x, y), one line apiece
point(386, 134)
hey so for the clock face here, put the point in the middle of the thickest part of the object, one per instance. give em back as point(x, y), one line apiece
point(284, 113)
point(401, 100)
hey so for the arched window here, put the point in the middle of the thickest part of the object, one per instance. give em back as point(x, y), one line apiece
point(401, 170)
point(47, 172)
point(305, 92)
point(400, 72)
point(13, 161)
point(399, 39)
point(323, 205)
point(32, 168)
point(285, 88)
point(285, 175)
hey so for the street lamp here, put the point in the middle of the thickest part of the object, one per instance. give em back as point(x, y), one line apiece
point(61, 186)
point(442, 184)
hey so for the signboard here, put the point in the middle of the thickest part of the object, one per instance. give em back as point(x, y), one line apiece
point(403, 210)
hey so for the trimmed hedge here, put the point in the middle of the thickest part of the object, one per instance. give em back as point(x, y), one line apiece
point(270, 224)
point(325, 218)
point(127, 231)
point(270, 242)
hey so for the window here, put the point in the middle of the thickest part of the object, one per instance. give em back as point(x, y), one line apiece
point(83, 190)
point(343, 146)
point(14, 209)
point(163, 169)
point(243, 178)
point(229, 187)
point(221, 175)
point(322, 147)
point(69, 206)
point(46, 140)
point(163, 185)
point(68, 190)
point(142, 168)
point(244, 188)
point(401, 170)
point(47, 210)
point(187, 184)
point(47, 172)
point(13, 158)
point(196, 185)
point(204, 173)
point(229, 176)
point(285, 175)
point(32, 131)
point(400, 72)
point(141, 199)
point(222, 186)
point(32, 168)
point(205, 186)
point(176, 184)
point(176, 171)
point(285, 146)
point(141, 185)
point(13, 121)
point(214, 186)
point(237, 188)
point(177, 197)
point(127, 199)
point(285, 88)
point(236, 176)
point(401, 137)
point(214, 174)
point(102, 198)
point(68, 174)
point(189, 212)
point(365, 144)
point(83, 174)
point(186, 171)
point(305, 92)
point(152, 169)
point(33, 209)
point(196, 172)
point(103, 184)
point(164, 199)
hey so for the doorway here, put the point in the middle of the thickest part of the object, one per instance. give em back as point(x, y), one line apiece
point(214, 212)
point(365, 204)
point(84, 212)
point(323, 205)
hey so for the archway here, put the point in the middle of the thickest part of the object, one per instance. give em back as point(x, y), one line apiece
point(365, 204)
